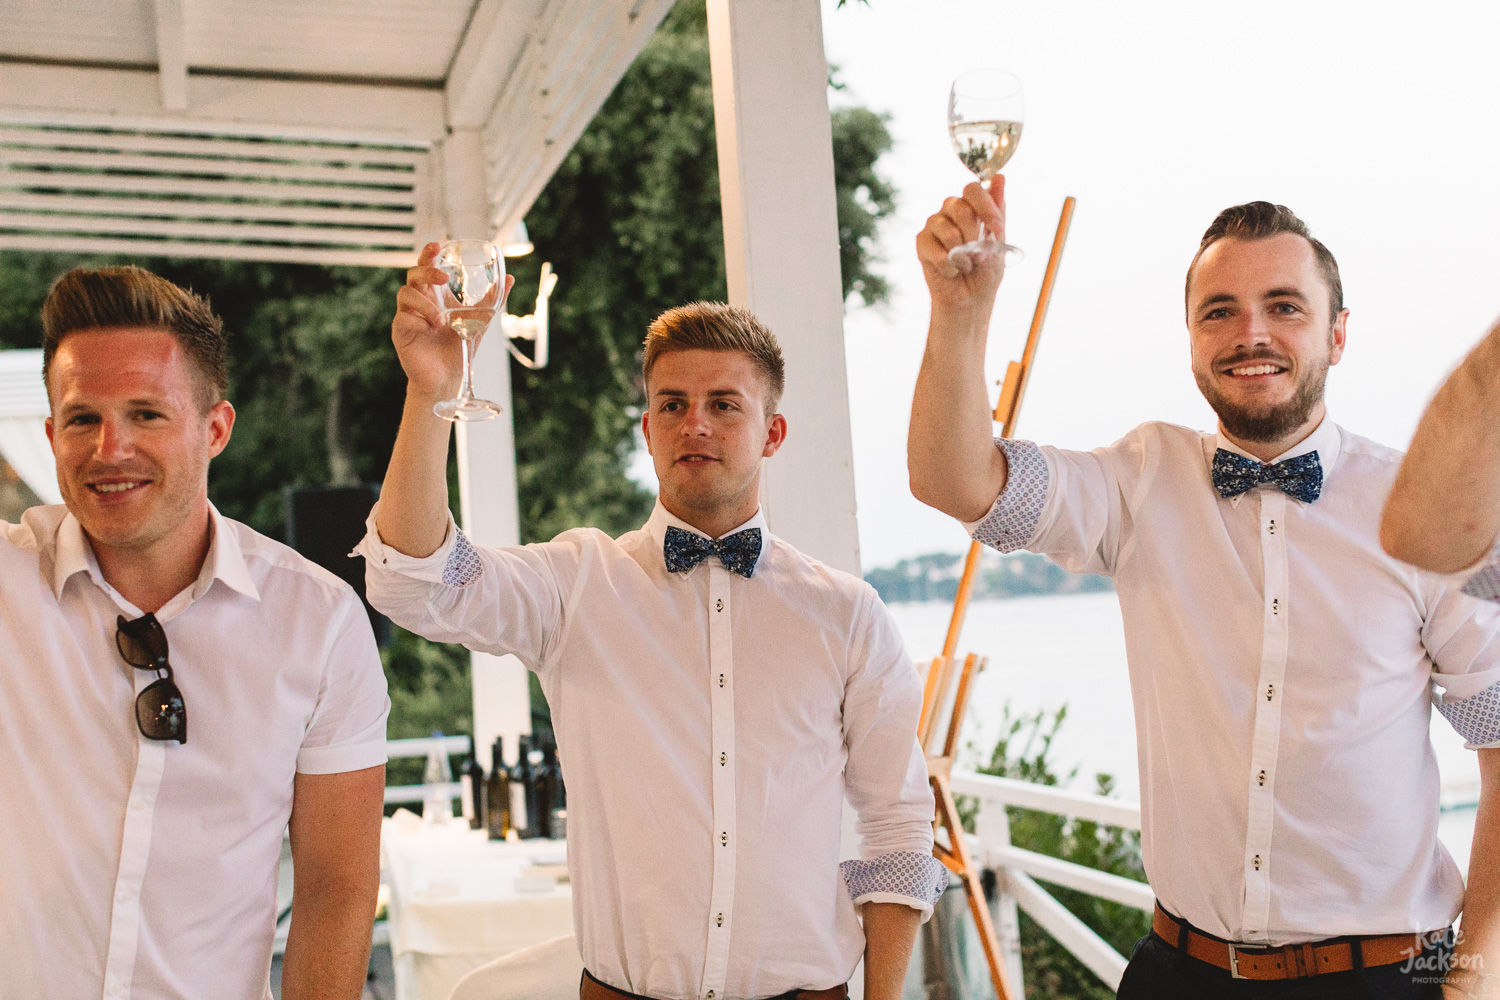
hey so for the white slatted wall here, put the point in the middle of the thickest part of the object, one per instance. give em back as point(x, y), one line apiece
point(204, 193)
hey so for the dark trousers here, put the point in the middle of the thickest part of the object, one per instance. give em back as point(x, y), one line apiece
point(1157, 971)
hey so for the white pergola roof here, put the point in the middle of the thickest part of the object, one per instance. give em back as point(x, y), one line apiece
point(332, 131)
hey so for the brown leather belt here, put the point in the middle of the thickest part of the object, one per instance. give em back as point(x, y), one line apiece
point(1293, 961)
point(592, 989)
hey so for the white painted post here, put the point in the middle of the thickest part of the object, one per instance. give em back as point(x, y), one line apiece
point(486, 458)
point(781, 250)
point(992, 825)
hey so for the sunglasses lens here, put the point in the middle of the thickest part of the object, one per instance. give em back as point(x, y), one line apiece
point(141, 642)
point(160, 713)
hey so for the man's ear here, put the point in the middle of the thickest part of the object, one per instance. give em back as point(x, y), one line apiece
point(1336, 337)
point(646, 430)
point(220, 426)
point(775, 435)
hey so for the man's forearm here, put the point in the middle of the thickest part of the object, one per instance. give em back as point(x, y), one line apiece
point(1476, 957)
point(951, 456)
point(328, 945)
point(1444, 510)
point(413, 516)
point(890, 932)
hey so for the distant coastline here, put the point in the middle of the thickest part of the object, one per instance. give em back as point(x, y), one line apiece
point(935, 577)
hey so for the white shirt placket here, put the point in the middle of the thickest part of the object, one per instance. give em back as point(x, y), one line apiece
point(1270, 694)
point(721, 701)
point(135, 849)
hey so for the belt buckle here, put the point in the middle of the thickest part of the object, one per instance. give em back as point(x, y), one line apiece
point(1234, 963)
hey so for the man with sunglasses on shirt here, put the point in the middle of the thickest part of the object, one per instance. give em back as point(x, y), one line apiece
point(176, 691)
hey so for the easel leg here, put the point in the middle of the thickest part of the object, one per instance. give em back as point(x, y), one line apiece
point(962, 865)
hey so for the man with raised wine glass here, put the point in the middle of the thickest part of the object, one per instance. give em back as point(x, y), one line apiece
point(176, 691)
point(1282, 665)
point(715, 693)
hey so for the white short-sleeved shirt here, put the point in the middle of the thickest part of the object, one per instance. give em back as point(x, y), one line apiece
point(1284, 671)
point(136, 868)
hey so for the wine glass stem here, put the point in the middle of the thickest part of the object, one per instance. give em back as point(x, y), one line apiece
point(983, 233)
point(465, 388)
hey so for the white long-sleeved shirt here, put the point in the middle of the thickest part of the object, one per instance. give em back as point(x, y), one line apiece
point(140, 868)
point(1283, 670)
point(709, 728)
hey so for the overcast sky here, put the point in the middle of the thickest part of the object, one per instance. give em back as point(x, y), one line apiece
point(1381, 130)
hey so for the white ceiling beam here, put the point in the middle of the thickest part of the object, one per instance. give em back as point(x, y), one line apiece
point(291, 109)
point(171, 55)
point(491, 47)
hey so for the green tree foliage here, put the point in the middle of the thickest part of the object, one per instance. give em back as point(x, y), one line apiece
point(1024, 752)
point(934, 577)
point(630, 222)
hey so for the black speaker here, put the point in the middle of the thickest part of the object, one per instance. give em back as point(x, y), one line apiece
point(324, 523)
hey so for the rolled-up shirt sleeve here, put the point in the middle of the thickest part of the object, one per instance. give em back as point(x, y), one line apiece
point(886, 772)
point(347, 729)
point(1462, 636)
point(495, 600)
point(1067, 505)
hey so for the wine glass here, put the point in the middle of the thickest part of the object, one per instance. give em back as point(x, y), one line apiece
point(470, 301)
point(985, 113)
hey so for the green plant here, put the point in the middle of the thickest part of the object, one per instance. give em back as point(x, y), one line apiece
point(1024, 752)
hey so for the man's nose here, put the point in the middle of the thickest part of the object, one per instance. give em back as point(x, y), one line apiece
point(695, 421)
point(1257, 328)
point(114, 442)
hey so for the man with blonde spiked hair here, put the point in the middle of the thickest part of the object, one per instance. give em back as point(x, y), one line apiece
point(716, 693)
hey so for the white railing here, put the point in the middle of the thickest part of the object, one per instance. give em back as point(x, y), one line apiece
point(420, 748)
point(1017, 869)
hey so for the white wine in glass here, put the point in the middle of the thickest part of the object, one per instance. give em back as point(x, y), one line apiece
point(986, 111)
point(471, 302)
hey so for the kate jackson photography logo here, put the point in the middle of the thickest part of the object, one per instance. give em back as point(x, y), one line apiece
point(1433, 953)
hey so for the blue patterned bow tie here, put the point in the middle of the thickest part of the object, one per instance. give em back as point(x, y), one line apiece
point(686, 549)
point(1300, 478)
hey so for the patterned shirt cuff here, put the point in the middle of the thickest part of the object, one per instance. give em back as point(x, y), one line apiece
point(1012, 520)
point(1475, 718)
point(434, 568)
point(917, 880)
point(1485, 584)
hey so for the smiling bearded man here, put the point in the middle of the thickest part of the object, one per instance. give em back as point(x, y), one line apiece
point(715, 693)
point(1282, 665)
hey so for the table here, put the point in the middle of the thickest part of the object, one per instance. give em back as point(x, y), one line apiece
point(456, 903)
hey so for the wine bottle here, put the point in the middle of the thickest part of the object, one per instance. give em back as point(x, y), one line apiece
point(553, 799)
point(497, 815)
point(520, 787)
point(473, 801)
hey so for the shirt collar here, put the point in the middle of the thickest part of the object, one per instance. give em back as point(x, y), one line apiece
point(661, 519)
point(1325, 440)
point(225, 561)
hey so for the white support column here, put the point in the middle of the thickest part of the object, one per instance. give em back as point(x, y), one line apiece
point(486, 458)
point(781, 249)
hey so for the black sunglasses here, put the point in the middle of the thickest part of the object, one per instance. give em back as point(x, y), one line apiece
point(159, 710)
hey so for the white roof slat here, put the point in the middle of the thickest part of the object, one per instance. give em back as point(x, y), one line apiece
point(357, 175)
point(257, 232)
point(369, 39)
point(79, 30)
point(247, 149)
point(161, 208)
point(229, 251)
point(259, 190)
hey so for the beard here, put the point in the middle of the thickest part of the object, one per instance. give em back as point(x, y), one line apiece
point(1263, 423)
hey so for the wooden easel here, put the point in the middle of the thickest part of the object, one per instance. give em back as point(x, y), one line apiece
point(955, 854)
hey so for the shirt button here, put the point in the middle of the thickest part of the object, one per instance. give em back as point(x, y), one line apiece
point(721, 680)
point(709, 995)
point(723, 759)
point(1261, 777)
point(1270, 691)
point(719, 920)
point(1271, 527)
point(1275, 605)
point(724, 839)
point(719, 604)
point(1256, 862)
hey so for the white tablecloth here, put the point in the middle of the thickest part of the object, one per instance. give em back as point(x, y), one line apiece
point(456, 904)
